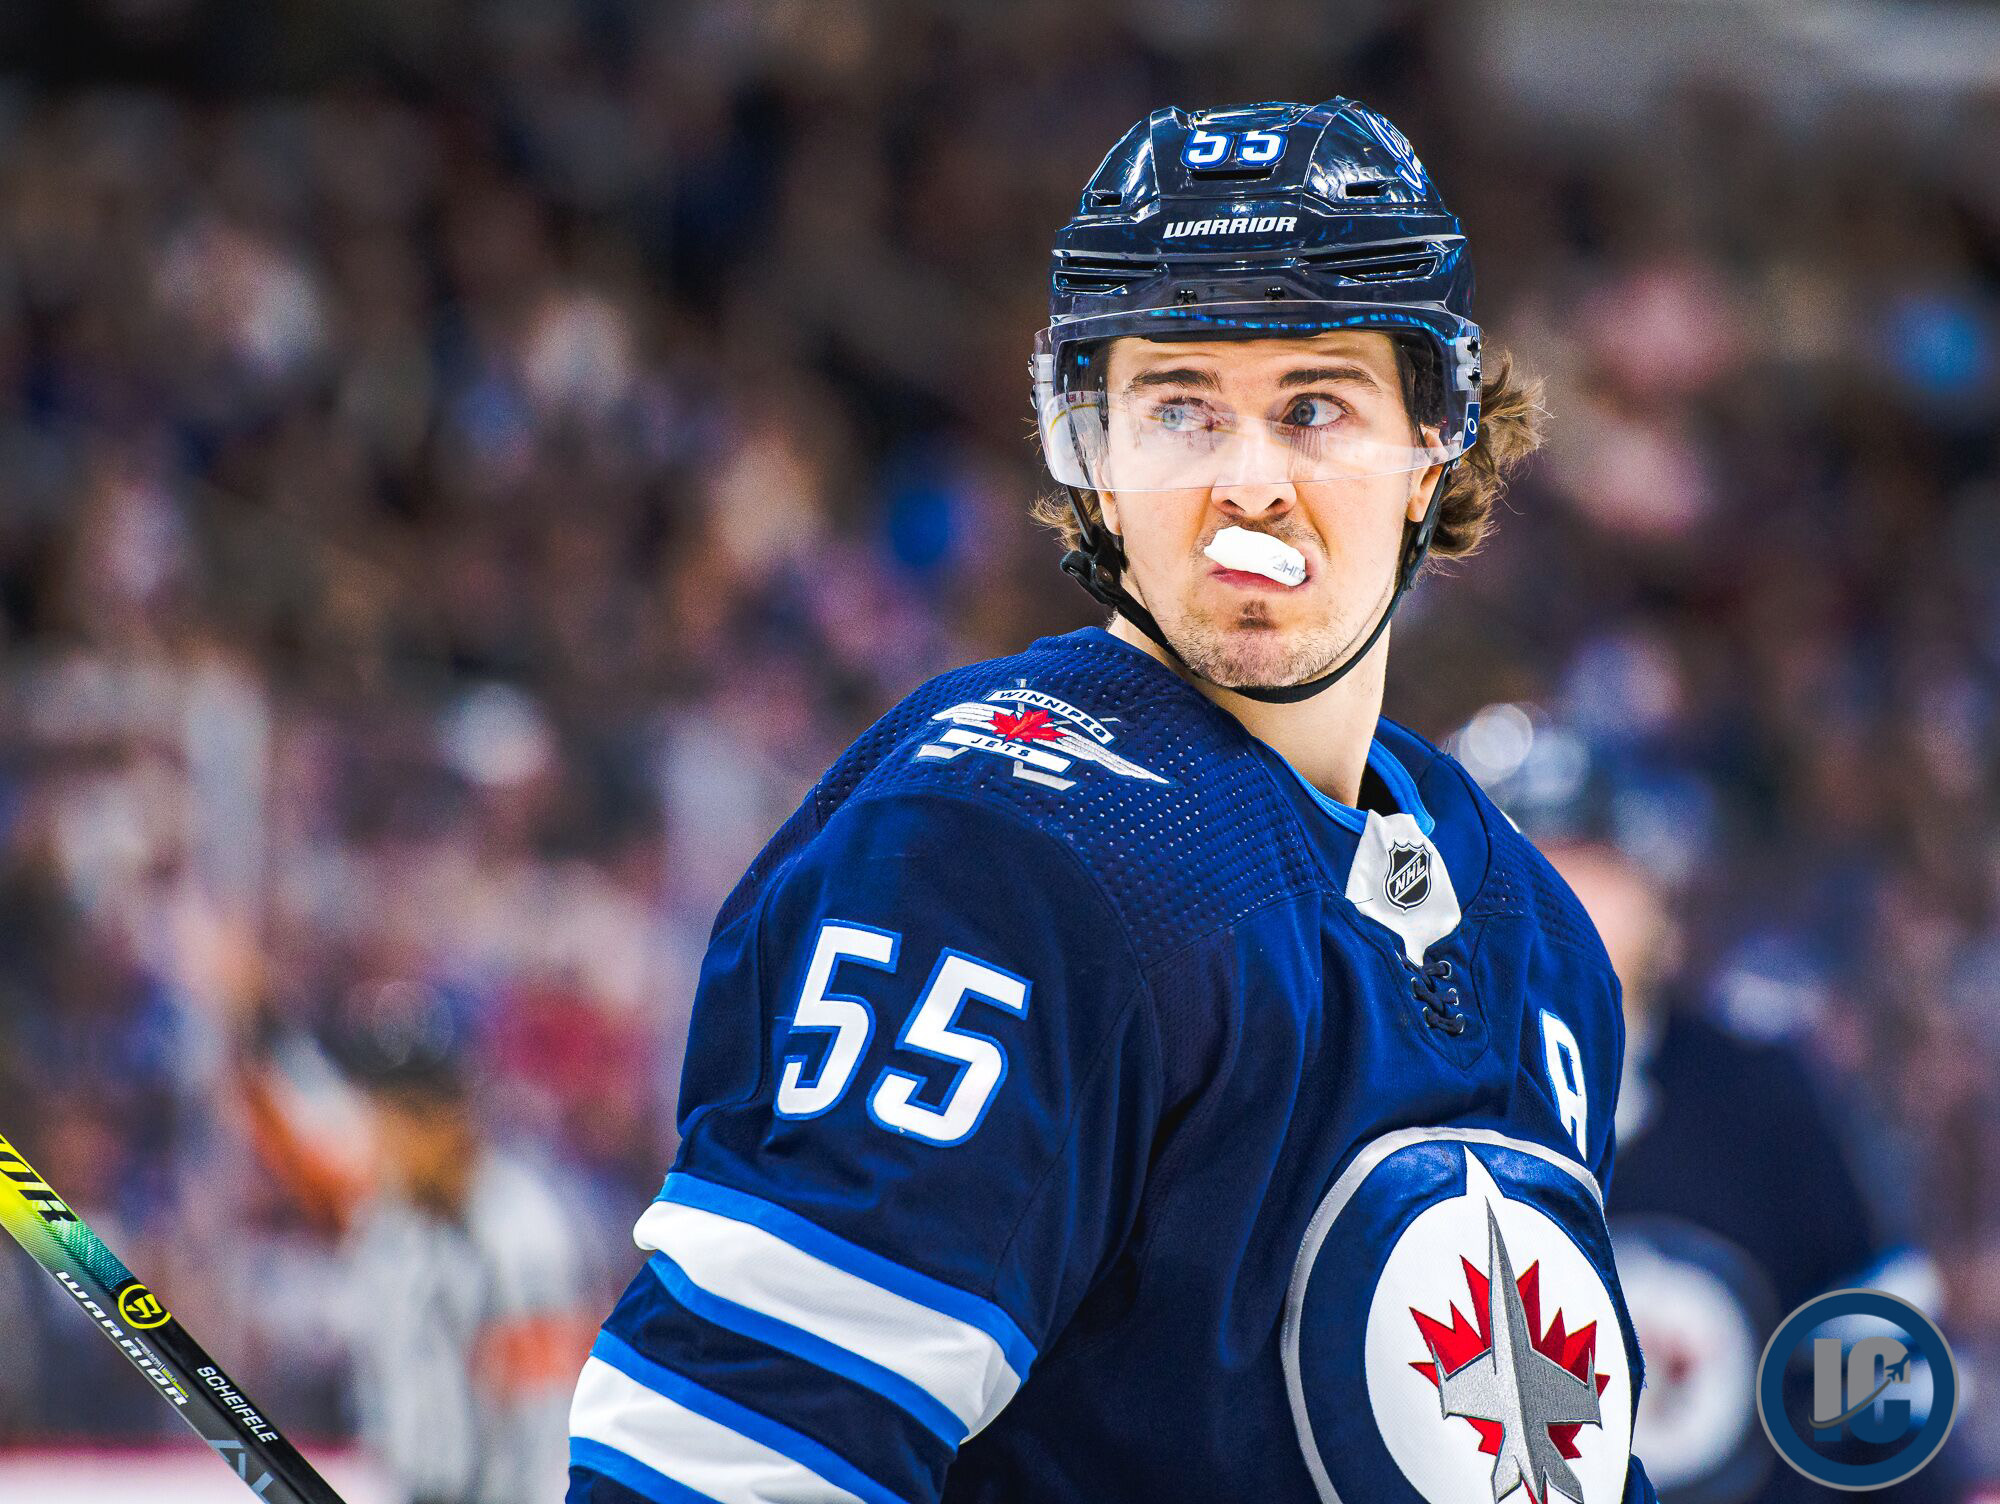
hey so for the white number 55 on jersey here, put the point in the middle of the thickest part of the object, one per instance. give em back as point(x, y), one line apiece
point(932, 1030)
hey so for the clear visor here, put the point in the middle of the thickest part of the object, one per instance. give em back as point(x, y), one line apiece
point(1179, 399)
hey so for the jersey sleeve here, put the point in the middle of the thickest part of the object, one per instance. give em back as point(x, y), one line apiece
point(1638, 1487)
point(1613, 1076)
point(920, 1093)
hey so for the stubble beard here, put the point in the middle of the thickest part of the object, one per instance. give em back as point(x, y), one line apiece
point(1245, 647)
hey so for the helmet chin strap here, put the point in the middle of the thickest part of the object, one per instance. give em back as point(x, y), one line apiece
point(1099, 565)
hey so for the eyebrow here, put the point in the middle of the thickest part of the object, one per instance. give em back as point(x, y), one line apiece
point(1196, 376)
point(1315, 375)
point(1175, 376)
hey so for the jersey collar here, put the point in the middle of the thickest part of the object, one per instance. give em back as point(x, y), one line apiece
point(1395, 778)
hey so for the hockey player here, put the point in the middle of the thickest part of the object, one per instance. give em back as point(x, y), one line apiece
point(1137, 1071)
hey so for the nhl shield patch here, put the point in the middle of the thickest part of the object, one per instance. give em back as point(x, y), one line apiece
point(1408, 882)
point(1399, 880)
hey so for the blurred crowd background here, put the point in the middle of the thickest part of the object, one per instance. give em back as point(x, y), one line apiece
point(466, 466)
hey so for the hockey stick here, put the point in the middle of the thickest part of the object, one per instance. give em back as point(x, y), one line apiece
point(159, 1347)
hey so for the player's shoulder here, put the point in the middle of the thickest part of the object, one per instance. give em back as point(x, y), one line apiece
point(1094, 754)
point(1065, 714)
point(1510, 877)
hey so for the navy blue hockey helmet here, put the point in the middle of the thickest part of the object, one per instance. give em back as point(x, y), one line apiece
point(1254, 221)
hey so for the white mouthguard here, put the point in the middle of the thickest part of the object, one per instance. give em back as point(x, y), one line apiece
point(1258, 553)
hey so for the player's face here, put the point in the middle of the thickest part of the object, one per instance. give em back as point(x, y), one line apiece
point(1231, 626)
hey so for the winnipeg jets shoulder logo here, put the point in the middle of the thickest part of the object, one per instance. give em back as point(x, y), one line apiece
point(1045, 738)
point(1464, 1274)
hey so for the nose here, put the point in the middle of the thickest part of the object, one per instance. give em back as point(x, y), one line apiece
point(1256, 452)
point(1255, 498)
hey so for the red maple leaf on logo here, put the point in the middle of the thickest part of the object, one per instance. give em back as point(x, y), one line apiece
point(1026, 726)
point(1465, 1339)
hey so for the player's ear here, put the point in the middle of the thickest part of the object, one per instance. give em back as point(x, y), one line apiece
point(1422, 484)
point(1107, 511)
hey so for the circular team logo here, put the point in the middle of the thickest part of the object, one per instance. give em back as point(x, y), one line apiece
point(141, 1308)
point(1701, 1308)
point(1857, 1389)
point(1450, 1333)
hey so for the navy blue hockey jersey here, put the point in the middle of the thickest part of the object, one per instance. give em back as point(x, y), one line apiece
point(1079, 1107)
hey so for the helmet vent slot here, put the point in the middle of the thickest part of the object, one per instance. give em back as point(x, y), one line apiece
point(1231, 174)
point(1091, 282)
point(1098, 274)
point(1366, 188)
point(1373, 265)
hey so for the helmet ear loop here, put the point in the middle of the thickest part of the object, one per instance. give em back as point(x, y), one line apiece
point(1098, 564)
point(1098, 561)
point(1417, 536)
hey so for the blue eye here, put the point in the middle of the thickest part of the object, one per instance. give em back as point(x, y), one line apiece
point(1180, 417)
point(1313, 411)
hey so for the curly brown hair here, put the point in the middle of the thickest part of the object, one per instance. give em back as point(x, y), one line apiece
point(1510, 429)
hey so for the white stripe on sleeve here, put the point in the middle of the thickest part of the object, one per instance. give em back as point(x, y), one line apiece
point(716, 1462)
point(956, 1363)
